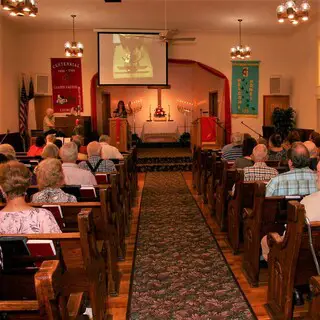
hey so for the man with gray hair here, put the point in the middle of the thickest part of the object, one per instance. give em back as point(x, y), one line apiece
point(95, 163)
point(233, 150)
point(108, 151)
point(259, 171)
point(72, 173)
point(49, 120)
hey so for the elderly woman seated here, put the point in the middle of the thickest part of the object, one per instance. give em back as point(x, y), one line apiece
point(8, 151)
point(18, 216)
point(50, 151)
point(50, 178)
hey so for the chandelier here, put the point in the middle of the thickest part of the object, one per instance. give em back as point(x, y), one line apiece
point(295, 14)
point(73, 49)
point(20, 8)
point(240, 51)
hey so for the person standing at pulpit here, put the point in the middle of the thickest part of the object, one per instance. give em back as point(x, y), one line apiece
point(122, 111)
point(49, 120)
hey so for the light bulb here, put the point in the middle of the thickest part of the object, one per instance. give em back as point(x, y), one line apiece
point(13, 14)
point(290, 4)
point(305, 18)
point(6, 8)
point(67, 45)
point(32, 14)
point(79, 45)
point(305, 6)
point(281, 20)
point(281, 9)
point(295, 22)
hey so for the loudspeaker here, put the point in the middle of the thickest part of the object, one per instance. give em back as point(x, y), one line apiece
point(42, 84)
point(280, 85)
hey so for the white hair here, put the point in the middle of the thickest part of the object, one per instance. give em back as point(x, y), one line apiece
point(8, 150)
point(260, 153)
point(237, 138)
point(94, 149)
point(104, 138)
point(69, 152)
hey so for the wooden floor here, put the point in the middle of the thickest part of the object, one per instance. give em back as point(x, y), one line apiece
point(255, 296)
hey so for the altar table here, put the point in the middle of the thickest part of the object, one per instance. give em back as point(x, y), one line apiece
point(160, 131)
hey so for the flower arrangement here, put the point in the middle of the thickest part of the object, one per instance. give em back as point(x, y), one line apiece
point(159, 112)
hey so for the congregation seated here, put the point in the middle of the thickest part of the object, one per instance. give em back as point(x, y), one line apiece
point(313, 151)
point(50, 138)
point(95, 163)
point(313, 136)
point(108, 151)
point(276, 151)
point(259, 171)
point(50, 178)
point(300, 180)
point(232, 151)
point(78, 141)
point(8, 151)
point(292, 137)
point(36, 149)
point(72, 173)
point(17, 217)
point(247, 148)
point(50, 151)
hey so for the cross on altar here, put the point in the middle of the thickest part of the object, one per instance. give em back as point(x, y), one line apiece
point(159, 89)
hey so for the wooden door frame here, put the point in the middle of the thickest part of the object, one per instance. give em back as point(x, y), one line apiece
point(210, 93)
point(273, 96)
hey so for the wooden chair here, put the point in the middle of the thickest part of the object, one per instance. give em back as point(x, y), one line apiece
point(314, 307)
point(290, 262)
point(268, 214)
point(26, 293)
point(242, 198)
point(229, 176)
point(84, 267)
point(213, 180)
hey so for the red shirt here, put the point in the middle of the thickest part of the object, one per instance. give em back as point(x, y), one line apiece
point(35, 151)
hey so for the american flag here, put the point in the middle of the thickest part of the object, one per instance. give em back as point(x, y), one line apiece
point(23, 110)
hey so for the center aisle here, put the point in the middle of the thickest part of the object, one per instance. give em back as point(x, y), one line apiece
point(179, 271)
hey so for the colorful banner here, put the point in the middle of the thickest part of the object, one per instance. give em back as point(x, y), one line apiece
point(245, 88)
point(66, 84)
point(208, 129)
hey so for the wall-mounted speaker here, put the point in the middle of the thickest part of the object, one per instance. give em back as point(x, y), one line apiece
point(280, 85)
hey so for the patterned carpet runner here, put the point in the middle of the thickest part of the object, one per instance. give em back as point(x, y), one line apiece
point(179, 270)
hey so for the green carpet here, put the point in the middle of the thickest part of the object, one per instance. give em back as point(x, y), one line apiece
point(179, 271)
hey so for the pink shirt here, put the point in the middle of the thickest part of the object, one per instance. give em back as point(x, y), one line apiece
point(73, 175)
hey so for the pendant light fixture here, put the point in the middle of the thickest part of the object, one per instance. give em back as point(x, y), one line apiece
point(73, 49)
point(240, 51)
point(20, 8)
point(290, 11)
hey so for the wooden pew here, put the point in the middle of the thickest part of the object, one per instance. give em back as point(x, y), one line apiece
point(34, 293)
point(205, 173)
point(290, 262)
point(314, 307)
point(84, 267)
point(196, 168)
point(228, 178)
point(213, 180)
point(242, 198)
point(268, 214)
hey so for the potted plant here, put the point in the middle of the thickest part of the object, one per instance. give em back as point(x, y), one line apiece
point(284, 120)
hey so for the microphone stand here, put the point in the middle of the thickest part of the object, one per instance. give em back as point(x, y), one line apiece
point(5, 136)
point(260, 136)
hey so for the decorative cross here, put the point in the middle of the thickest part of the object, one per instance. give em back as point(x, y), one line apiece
point(159, 89)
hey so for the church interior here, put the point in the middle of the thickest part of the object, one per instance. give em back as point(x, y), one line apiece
point(159, 159)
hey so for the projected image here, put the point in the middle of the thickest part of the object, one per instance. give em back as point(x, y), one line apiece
point(131, 57)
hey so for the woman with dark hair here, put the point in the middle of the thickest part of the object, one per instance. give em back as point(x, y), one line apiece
point(36, 149)
point(293, 136)
point(247, 148)
point(121, 111)
point(276, 151)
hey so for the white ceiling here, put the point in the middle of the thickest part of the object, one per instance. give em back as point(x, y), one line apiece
point(186, 15)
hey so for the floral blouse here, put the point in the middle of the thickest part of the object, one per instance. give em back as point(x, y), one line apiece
point(53, 195)
point(33, 220)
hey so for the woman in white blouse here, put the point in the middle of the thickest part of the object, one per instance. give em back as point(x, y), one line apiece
point(18, 217)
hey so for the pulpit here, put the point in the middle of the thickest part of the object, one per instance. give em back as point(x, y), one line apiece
point(120, 133)
point(205, 133)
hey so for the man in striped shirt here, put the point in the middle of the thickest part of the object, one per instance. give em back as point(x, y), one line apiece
point(259, 171)
point(233, 150)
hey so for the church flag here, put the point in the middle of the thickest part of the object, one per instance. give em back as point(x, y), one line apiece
point(66, 77)
point(245, 88)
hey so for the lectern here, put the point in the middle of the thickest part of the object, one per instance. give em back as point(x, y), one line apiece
point(120, 133)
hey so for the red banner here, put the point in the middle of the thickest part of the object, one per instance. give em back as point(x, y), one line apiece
point(208, 129)
point(66, 84)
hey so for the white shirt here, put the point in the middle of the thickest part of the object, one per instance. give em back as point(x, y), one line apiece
point(311, 204)
point(110, 152)
point(73, 175)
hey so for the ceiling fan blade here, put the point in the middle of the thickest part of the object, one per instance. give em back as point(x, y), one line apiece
point(182, 39)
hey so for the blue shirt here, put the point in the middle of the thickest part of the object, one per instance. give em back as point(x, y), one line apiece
point(294, 182)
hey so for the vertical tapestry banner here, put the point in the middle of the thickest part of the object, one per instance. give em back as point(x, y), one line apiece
point(245, 88)
point(66, 84)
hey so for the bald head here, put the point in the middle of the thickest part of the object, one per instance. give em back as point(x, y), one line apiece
point(94, 149)
point(298, 156)
point(260, 153)
point(49, 112)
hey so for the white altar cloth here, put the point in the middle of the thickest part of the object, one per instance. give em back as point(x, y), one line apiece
point(160, 131)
